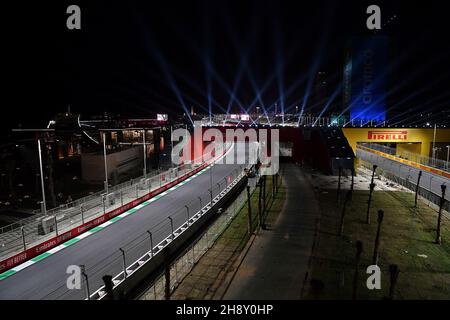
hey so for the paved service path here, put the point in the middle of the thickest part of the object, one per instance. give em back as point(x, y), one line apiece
point(276, 264)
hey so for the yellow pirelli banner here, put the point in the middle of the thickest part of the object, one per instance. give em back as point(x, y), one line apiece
point(413, 140)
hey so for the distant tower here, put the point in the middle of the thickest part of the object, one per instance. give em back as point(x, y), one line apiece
point(365, 80)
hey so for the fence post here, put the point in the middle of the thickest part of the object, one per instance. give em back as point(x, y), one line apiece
point(104, 206)
point(417, 188)
point(374, 168)
point(171, 226)
point(121, 198)
point(151, 242)
point(23, 239)
point(210, 193)
point(124, 263)
point(441, 205)
point(187, 210)
point(359, 249)
point(83, 272)
point(249, 211)
point(167, 274)
point(82, 214)
point(377, 238)
point(56, 225)
point(201, 206)
point(372, 186)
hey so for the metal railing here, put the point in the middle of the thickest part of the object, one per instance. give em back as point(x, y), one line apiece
point(184, 263)
point(407, 177)
point(42, 227)
point(414, 157)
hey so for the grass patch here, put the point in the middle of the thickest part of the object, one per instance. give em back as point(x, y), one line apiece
point(406, 234)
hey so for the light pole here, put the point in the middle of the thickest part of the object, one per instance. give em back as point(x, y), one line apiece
point(145, 153)
point(448, 154)
point(210, 175)
point(185, 154)
point(44, 204)
point(434, 143)
point(106, 165)
point(171, 147)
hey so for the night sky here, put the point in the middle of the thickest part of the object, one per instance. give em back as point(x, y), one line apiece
point(138, 58)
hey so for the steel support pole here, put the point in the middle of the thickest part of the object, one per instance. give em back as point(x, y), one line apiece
point(124, 263)
point(44, 203)
point(434, 144)
point(171, 227)
point(145, 153)
point(417, 188)
point(187, 210)
point(151, 242)
point(56, 226)
point(372, 187)
point(82, 214)
point(171, 147)
point(441, 205)
point(201, 205)
point(106, 165)
point(86, 282)
point(23, 238)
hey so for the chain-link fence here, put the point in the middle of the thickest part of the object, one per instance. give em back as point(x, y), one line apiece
point(144, 245)
point(414, 157)
point(429, 184)
point(189, 257)
point(32, 231)
point(184, 263)
point(42, 227)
